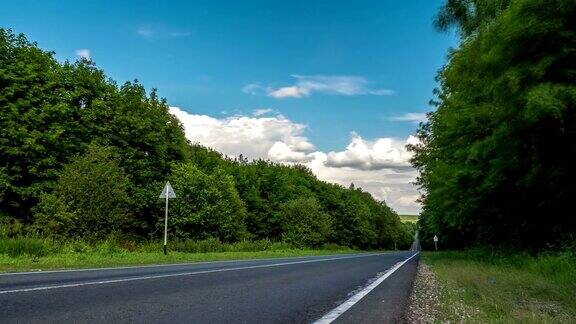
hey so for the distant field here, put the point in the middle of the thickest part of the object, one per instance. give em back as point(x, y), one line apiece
point(409, 218)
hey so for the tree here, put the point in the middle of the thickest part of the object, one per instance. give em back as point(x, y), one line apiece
point(304, 223)
point(497, 155)
point(51, 111)
point(468, 15)
point(207, 205)
point(90, 199)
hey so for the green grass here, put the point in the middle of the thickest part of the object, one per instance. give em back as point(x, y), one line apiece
point(27, 254)
point(492, 287)
point(409, 218)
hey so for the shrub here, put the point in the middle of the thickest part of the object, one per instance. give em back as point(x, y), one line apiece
point(206, 206)
point(304, 223)
point(90, 198)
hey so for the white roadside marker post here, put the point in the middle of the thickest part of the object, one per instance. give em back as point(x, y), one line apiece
point(167, 193)
point(435, 242)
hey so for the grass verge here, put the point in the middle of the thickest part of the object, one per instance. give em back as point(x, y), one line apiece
point(482, 286)
point(29, 254)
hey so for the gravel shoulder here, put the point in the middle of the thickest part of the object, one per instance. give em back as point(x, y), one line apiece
point(425, 297)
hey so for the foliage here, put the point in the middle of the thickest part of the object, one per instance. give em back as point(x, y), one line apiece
point(468, 16)
point(50, 112)
point(208, 205)
point(29, 246)
point(486, 286)
point(498, 154)
point(304, 223)
point(66, 127)
point(90, 198)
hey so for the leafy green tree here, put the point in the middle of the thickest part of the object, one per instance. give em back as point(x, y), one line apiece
point(304, 223)
point(496, 159)
point(207, 205)
point(90, 199)
point(51, 111)
point(467, 16)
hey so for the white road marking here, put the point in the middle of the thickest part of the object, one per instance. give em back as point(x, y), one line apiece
point(336, 312)
point(90, 283)
point(170, 264)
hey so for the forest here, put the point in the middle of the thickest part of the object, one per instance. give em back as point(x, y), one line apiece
point(497, 157)
point(83, 158)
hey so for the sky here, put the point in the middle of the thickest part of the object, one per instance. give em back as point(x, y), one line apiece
point(339, 86)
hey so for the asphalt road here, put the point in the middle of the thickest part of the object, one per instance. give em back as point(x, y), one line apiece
point(359, 288)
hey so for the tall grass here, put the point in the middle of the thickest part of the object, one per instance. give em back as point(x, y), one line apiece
point(488, 285)
point(38, 247)
point(30, 246)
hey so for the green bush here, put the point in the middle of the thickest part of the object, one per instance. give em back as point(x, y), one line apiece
point(15, 247)
point(207, 206)
point(90, 199)
point(10, 227)
point(304, 223)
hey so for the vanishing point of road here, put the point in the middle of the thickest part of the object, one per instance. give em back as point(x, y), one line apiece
point(343, 288)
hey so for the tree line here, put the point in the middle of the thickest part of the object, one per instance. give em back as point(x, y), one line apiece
point(497, 156)
point(82, 157)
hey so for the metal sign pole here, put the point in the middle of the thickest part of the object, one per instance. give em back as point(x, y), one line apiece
point(166, 227)
point(167, 193)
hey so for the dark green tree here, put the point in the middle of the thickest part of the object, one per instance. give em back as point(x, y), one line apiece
point(496, 159)
point(90, 199)
point(206, 205)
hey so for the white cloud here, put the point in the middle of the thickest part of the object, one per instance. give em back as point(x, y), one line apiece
point(289, 92)
point(379, 166)
point(253, 137)
point(261, 112)
point(83, 53)
point(383, 153)
point(281, 152)
point(410, 117)
point(305, 85)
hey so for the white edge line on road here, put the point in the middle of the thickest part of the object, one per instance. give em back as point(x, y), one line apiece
point(40, 271)
point(91, 283)
point(336, 312)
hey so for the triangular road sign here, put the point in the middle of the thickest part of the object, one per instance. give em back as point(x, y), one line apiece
point(168, 191)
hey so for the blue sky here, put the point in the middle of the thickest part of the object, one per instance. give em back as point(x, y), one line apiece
point(339, 69)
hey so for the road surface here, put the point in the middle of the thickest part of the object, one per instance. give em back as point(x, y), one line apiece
point(358, 288)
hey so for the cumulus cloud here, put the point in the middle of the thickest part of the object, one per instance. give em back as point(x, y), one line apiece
point(378, 166)
point(410, 117)
point(306, 85)
point(253, 137)
point(383, 153)
point(83, 53)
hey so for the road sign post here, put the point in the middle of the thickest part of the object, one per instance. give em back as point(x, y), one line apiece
point(435, 242)
point(167, 193)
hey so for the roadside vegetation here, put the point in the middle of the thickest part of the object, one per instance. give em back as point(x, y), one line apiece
point(497, 156)
point(488, 286)
point(25, 253)
point(496, 161)
point(83, 160)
